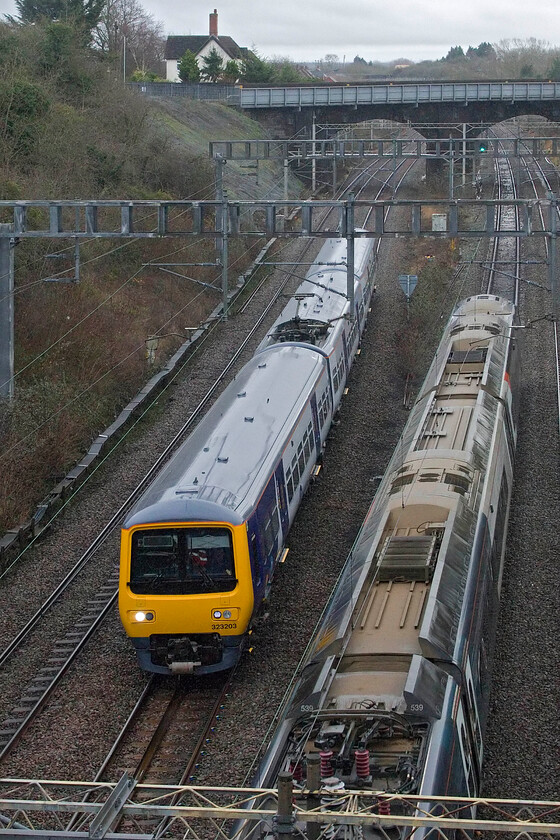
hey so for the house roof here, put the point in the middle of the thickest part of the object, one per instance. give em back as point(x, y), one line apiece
point(177, 45)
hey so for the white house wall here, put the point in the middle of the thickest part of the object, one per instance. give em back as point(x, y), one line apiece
point(172, 71)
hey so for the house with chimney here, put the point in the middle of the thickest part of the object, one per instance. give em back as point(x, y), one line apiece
point(201, 46)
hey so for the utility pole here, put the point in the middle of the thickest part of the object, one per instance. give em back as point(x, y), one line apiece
point(6, 312)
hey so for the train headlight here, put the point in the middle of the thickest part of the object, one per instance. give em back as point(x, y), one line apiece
point(228, 614)
point(143, 616)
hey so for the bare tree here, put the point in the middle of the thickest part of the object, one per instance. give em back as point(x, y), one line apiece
point(126, 29)
point(523, 58)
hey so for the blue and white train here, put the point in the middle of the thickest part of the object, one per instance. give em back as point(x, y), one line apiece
point(199, 549)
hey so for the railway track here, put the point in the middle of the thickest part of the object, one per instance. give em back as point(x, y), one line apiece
point(537, 174)
point(503, 272)
point(65, 650)
point(523, 733)
point(525, 684)
point(173, 719)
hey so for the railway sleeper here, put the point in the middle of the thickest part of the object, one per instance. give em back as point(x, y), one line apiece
point(10, 725)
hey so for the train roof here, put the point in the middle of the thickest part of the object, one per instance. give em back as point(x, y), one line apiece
point(416, 544)
point(221, 470)
point(321, 300)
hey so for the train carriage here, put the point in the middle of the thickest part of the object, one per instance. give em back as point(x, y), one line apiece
point(199, 549)
point(393, 692)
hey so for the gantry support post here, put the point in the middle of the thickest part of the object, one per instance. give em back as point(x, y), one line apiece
point(284, 827)
point(313, 829)
point(6, 312)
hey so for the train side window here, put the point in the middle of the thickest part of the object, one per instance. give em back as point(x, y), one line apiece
point(499, 527)
point(301, 459)
point(468, 761)
point(254, 555)
point(289, 484)
point(473, 714)
point(295, 470)
point(323, 408)
point(270, 532)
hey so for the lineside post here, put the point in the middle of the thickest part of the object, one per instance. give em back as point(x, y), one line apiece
point(350, 253)
point(313, 829)
point(553, 239)
point(6, 311)
point(224, 254)
point(284, 827)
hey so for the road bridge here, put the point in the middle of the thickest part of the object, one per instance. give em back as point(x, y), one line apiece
point(295, 107)
point(292, 107)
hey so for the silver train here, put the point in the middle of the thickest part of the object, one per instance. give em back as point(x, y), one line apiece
point(392, 696)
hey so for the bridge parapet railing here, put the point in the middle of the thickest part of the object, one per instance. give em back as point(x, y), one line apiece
point(46, 809)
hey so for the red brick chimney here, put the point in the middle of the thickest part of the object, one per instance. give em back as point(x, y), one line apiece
point(214, 23)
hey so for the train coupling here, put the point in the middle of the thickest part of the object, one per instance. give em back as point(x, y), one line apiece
point(183, 654)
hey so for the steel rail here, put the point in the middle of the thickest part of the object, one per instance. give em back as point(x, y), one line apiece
point(66, 650)
point(547, 186)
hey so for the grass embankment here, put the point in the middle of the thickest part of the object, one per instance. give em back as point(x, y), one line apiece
point(71, 130)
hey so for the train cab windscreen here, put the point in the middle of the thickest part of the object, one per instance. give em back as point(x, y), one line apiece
point(182, 561)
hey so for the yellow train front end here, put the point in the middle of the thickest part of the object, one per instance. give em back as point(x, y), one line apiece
point(186, 594)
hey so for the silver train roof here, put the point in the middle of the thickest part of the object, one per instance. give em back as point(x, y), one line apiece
point(321, 300)
point(220, 471)
point(438, 635)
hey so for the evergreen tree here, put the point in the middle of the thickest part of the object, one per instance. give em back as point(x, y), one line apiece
point(256, 70)
point(188, 68)
point(454, 54)
point(212, 66)
point(485, 50)
point(231, 72)
point(286, 73)
point(84, 13)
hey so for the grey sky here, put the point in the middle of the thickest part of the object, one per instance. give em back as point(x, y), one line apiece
point(413, 29)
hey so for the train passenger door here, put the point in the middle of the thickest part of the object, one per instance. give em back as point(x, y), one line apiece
point(269, 538)
point(280, 480)
point(472, 716)
point(316, 427)
point(468, 760)
point(345, 351)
